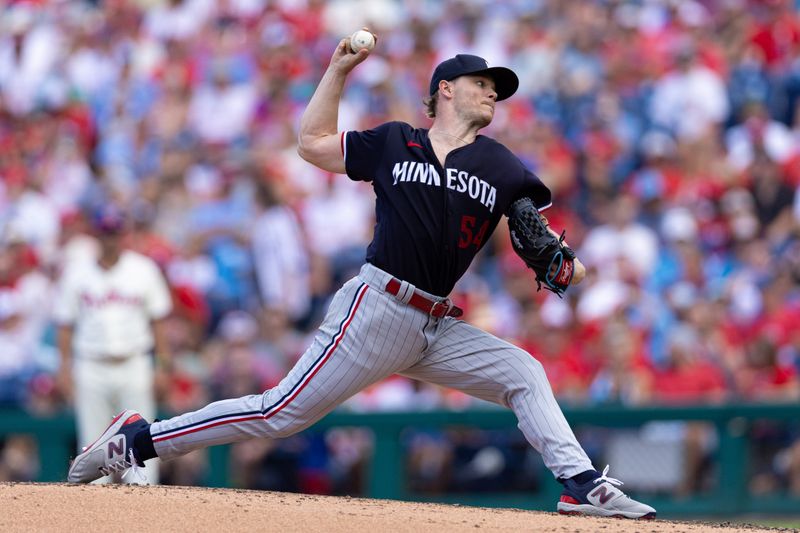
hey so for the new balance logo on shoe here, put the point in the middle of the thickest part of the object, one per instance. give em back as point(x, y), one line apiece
point(116, 448)
point(601, 497)
point(602, 494)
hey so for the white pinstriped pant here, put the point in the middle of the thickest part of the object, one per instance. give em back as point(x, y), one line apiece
point(368, 335)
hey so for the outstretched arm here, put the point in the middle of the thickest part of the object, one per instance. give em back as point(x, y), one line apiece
point(318, 141)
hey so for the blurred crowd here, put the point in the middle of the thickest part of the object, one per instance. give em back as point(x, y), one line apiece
point(668, 131)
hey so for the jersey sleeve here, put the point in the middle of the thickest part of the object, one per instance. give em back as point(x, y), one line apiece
point(363, 150)
point(536, 190)
point(159, 300)
point(65, 305)
point(518, 180)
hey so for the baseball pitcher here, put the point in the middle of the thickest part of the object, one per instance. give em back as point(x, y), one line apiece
point(440, 193)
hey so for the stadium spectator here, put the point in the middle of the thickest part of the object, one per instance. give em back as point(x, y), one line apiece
point(24, 295)
point(690, 101)
point(280, 255)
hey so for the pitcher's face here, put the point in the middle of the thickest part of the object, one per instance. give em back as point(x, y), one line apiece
point(474, 97)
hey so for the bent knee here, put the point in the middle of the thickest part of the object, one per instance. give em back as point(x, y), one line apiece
point(528, 375)
point(532, 365)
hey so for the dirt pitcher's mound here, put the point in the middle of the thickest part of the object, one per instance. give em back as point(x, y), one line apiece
point(73, 508)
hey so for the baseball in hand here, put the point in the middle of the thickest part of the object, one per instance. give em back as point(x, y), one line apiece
point(362, 39)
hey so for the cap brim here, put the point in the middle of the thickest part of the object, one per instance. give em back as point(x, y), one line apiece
point(506, 82)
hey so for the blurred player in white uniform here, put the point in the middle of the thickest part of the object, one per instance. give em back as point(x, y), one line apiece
point(109, 310)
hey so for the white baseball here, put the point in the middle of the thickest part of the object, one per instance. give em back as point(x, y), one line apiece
point(362, 39)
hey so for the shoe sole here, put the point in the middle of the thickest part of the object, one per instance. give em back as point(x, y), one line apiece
point(112, 429)
point(591, 510)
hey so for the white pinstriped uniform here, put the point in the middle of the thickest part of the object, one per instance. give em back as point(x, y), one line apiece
point(367, 335)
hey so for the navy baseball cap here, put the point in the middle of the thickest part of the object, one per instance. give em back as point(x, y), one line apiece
point(505, 81)
point(109, 219)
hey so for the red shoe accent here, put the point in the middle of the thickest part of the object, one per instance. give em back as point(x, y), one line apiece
point(569, 499)
point(114, 421)
point(131, 420)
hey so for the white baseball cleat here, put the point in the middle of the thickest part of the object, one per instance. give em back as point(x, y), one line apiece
point(601, 497)
point(112, 452)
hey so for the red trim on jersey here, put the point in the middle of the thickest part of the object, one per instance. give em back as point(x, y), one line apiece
point(267, 416)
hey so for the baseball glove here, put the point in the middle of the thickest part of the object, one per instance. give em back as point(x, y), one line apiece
point(542, 251)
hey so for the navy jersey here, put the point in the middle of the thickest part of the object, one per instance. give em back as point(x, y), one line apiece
point(431, 221)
